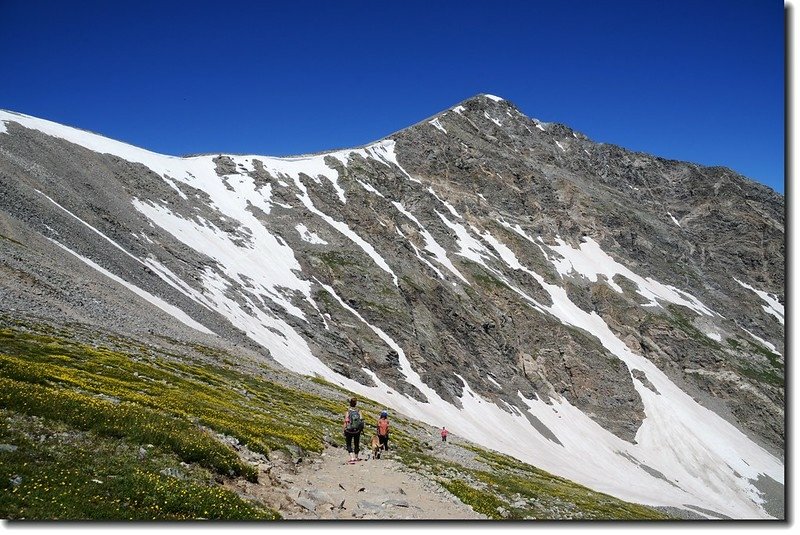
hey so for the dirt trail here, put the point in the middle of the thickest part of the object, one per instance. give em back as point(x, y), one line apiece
point(327, 487)
point(372, 488)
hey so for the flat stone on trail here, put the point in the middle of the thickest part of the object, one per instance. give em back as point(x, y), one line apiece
point(319, 496)
point(397, 503)
point(364, 504)
point(305, 503)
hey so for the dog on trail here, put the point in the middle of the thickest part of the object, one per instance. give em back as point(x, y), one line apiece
point(375, 446)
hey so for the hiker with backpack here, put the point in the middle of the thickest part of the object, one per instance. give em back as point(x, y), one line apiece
point(444, 434)
point(353, 425)
point(383, 430)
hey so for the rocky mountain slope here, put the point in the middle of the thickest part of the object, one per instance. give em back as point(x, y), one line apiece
point(611, 317)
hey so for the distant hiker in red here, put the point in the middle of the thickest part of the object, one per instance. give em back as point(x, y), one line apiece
point(383, 430)
point(353, 425)
point(444, 434)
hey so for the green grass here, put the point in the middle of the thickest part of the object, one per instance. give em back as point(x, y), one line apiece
point(160, 393)
point(57, 473)
point(489, 281)
point(773, 374)
point(179, 408)
point(679, 320)
point(481, 501)
point(335, 260)
point(537, 494)
point(543, 493)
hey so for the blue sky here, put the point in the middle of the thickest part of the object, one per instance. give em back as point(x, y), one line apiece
point(701, 81)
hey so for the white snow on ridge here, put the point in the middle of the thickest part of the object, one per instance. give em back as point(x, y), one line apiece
point(763, 342)
point(469, 247)
point(459, 109)
point(439, 252)
point(384, 151)
point(495, 121)
point(308, 236)
point(773, 306)
point(589, 260)
point(493, 97)
point(447, 205)
point(244, 265)
point(714, 336)
point(170, 309)
point(435, 122)
point(370, 188)
point(419, 255)
point(311, 166)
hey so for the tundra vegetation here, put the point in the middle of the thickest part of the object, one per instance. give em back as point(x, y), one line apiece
point(126, 431)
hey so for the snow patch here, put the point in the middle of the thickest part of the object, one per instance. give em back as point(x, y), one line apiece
point(763, 342)
point(419, 256)
point(714, 336)
point(316, 166)
point(459, 109)
point(277, 279)
point(431, 245)
point(469, 247)
point(493, 97)
point(447, 205)
point(673, 219)
point(773, 306)
point(308, 236)
point(369, 188)
point(437, 124)
point(590, 261)
point(495, 121)
point(170, 309)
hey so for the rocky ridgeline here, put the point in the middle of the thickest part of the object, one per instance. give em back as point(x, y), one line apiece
point(434, 208)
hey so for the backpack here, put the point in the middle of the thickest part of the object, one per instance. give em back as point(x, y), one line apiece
point(355, 424)
point(383, 427)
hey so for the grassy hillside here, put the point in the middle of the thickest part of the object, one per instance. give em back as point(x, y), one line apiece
point(129, 432)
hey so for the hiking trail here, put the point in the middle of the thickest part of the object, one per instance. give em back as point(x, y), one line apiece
point(326, 486)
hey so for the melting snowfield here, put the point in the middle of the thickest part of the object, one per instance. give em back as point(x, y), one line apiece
point(684, 455)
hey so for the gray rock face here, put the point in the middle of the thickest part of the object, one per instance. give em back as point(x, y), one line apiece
point(414, 241)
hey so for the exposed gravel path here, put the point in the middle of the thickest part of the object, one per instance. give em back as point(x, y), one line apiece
point(371, 488)
point(327, 487)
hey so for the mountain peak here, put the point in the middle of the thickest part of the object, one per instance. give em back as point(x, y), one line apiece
point(482, 100)
point(480, 270)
